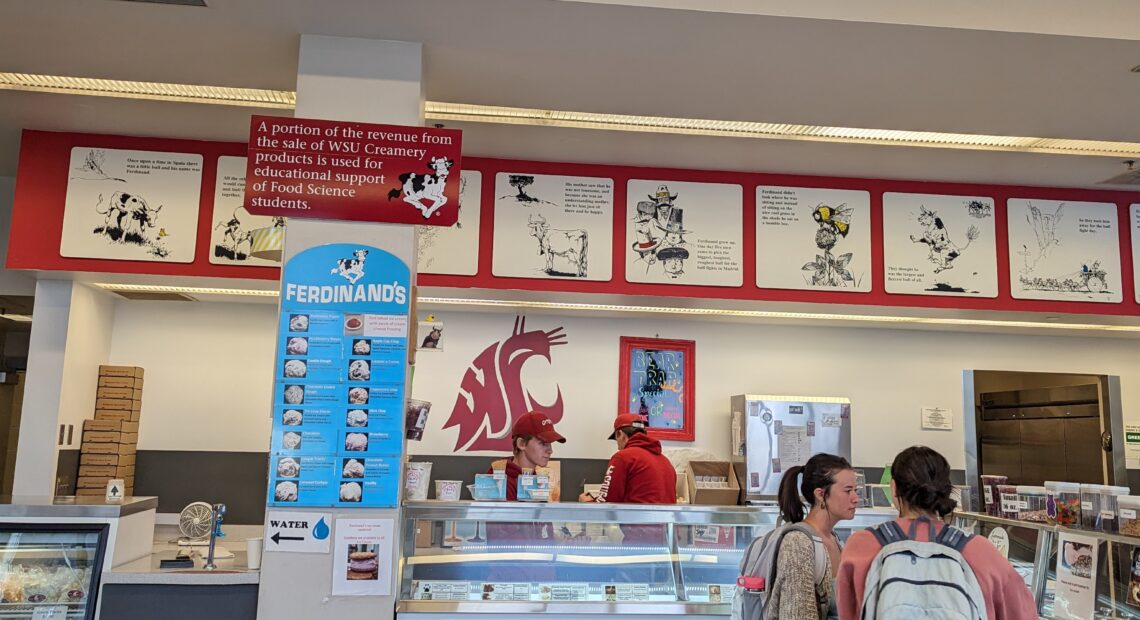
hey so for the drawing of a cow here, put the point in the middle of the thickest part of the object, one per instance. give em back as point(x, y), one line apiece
point(351, 269)
point(569, 244)
point(420, 187)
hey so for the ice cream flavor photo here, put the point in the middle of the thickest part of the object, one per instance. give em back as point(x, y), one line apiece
point(358, 396)
point(356, 442)
point(298, 322)
point(285, 491)
point(288, 468)
point(295, 369)
point(291, 441)
point(361, 347)
point(295, 394)
point(351, 491)
point(353, 468)
point(359, 370)
point(297, 345)
point(357, 418)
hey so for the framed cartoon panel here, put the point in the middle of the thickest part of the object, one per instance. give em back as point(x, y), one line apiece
point(657, 381)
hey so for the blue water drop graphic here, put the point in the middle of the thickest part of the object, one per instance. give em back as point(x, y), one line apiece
point(321, 530)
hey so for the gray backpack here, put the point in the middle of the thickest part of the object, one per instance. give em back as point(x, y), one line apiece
point(912, 580)
point(759, 562)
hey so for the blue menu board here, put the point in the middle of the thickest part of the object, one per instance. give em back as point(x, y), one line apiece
point(338, 393)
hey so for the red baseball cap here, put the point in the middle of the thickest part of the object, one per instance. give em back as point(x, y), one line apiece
point(627, 419)
point(535, 424)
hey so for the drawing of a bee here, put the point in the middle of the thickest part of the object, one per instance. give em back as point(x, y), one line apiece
point(839, 218)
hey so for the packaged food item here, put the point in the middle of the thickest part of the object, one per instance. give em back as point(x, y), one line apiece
point(991, 501)
point(1063, 503)
point(1127, 511)
point(1031, 504)
point(1007, 498)
point(1109, 497)
point(1090, 505)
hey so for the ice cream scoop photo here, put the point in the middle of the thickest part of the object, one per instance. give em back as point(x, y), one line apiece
point(292, 417)
point(291, 441)
point(297, 346)
point(295, 368)
point(288, 468)
point(359, 370)
point(357, 418)
point(350, 492)
point(353, 468)
point(361, 347)
point(285, 491)
point(295, 394)
point(358, 396)
point(356, 442)
point(299, 323)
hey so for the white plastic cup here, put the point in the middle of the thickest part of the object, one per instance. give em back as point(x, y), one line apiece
point(418, 481)
point(253, 553)
point(448, 490)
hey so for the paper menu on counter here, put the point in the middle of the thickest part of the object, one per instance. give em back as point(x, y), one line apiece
point(1075, 595)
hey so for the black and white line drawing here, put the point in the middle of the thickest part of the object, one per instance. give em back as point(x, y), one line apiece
point(979, 209)
point(659, 233)
point(417, 187)
point(92, 168)
point(521, 182)
point(571, 246)
point(129, 219)
point(233, 237)
point(1044, 227)
point(943, 250)
point(428, 235)
point(833, 225)
point(1090, 278)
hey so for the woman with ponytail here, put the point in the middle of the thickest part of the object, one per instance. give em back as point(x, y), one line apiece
point(921, 488)
point(804, 584)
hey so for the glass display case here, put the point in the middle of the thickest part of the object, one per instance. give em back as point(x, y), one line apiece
point(1107, 584)
point(50, 571)
point(487, 557)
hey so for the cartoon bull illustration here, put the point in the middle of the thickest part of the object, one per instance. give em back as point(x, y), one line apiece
point(126, 213)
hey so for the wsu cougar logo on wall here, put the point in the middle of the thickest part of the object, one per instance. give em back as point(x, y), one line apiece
point(491, 394)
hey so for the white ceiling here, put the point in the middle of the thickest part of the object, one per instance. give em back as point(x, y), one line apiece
point(602, 56)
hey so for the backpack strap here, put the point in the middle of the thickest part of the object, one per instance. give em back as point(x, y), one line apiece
point(954, 538)
point(888, 532)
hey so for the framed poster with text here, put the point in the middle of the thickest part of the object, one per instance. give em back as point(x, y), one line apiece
point(657, 381)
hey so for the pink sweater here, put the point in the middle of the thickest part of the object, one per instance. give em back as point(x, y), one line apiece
point(1007, 597)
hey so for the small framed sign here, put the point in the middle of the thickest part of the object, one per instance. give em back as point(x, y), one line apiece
point(657, 382)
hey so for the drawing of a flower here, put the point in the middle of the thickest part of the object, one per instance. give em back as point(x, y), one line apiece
point(825, 238)
point(830, 270)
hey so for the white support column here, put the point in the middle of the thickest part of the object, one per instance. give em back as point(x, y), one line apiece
point(71, 336)
point(366, 81)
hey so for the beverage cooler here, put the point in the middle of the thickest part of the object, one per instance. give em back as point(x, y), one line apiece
point(50, 571)
point(771, 434)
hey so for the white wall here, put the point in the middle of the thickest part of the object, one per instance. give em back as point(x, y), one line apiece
point(209, 374)
point(88, 346)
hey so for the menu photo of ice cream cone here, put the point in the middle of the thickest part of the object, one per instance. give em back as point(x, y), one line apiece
point(362, 564)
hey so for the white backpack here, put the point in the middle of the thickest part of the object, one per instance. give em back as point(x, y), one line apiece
point(912, 580)
point(760, 561)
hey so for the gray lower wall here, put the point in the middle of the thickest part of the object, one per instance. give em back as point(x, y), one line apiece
point(146, 602)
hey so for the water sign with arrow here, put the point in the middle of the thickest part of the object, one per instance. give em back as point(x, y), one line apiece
point(298, 532)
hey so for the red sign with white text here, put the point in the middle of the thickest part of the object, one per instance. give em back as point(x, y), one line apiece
point(333, 170)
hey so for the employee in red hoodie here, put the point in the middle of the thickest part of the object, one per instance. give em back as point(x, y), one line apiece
point(638, 473)
point(533, 438)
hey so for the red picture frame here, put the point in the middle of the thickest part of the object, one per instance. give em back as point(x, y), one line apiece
point(658, 380)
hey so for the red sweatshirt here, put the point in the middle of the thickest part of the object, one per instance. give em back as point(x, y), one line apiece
point(1007, 597)
point(639, 474)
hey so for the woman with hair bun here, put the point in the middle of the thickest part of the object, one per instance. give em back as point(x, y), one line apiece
point(921, 488)
point(827, 483)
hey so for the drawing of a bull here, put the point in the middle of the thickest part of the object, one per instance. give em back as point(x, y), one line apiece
point(571, 245)
point(419, 187)
point(351, 269)
point(126, 213)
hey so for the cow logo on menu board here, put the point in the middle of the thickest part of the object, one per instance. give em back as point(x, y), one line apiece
point(492, 395)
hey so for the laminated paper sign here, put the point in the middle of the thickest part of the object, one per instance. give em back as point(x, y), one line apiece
point(338, 400)
point(299, 167)
point(1076, 577)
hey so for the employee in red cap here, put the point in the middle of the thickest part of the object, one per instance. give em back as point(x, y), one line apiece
point(638, 473)
point(533, 437)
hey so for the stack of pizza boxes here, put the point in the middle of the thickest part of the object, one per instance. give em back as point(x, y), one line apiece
point(109, 440)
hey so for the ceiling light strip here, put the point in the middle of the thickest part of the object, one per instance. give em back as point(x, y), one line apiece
point(157, 91)
point(470, 113)
point(664, 310)
point(459, 112)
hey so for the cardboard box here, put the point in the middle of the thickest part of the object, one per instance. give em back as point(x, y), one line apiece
point(120, 382)
point(729, 496)
point(108, 471)
point(118, 404)
point(122, 426)
point(111, 414)
point(423, 533)
point(107, 448)
point(131, 438)
point(114, 460)
point(93, 482)
point(102, 437)
point(119, 392)
point(133, 372)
